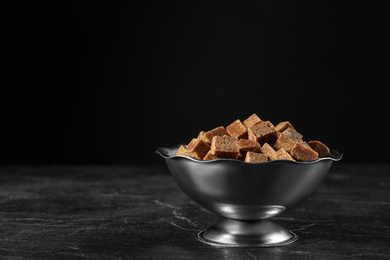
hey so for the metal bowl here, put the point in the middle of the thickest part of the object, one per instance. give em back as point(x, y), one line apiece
point(246, 194)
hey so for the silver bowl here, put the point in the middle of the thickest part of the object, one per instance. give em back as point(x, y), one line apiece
point(246, 194)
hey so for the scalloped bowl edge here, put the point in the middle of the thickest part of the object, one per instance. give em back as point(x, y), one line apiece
point(167, 153)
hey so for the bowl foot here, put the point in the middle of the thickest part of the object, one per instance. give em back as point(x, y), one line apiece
point(244, 233)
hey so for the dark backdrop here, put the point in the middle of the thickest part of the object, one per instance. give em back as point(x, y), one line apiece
point(107, 82)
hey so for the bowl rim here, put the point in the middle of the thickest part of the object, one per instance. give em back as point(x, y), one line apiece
point(163, 152)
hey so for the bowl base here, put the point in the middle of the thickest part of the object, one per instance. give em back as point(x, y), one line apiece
point(245, 233)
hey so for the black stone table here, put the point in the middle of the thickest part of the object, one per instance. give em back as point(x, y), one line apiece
point(135, 212)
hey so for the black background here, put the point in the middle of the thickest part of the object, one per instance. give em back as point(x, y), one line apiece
point(105, 82)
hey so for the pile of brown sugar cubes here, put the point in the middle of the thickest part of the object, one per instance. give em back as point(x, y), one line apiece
point(254, 140)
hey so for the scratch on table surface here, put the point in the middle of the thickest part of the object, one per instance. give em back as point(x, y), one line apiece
point(179, 216)
point(251, 255)
point(361, 201)
point(287, 218)
point(31, 219)
point(166, 205)
point(176, 225)
point(156, 221)
point(303, 227)
point(130, 195)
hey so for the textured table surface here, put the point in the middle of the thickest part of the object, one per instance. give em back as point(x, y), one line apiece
point(136, 212)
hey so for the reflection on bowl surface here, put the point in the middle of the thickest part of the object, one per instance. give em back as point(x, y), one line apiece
point(246, 191)
point(250, 211)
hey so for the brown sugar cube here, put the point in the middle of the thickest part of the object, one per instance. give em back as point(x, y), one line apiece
point(201, 134)
point(184, 152)
point(302, 153)
point(270, 125)
point(304, 144)
point(247, 145)
point(255, 157)
point(219, 131)
point(224, 147)
point(320, 148)
point(282, 154)
point(237, 130)
point(284, 142)
point(198, 147)
point(288, 138)
point(262, 133)
point(210, 156)
point(283, 126)
point(268, 151)
point(292, 134)
point(252, 120)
